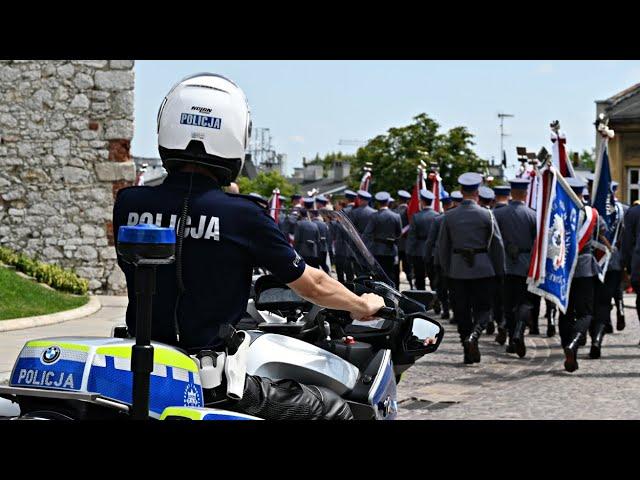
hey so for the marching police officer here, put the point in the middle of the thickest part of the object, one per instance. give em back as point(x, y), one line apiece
point(344, 266)
point(517, 224)
point(421, 224)
point(502, 193)
point(401, 210)
point(631, 249)
point(486, 199)
point(360, 216)
point(472, 254)
point(325, 246)
point(606, 291)
point(221, 237)
point(577, 320)
point(307, 237)
point(456, 198)
point(617, 297)
point(432, 259)
point(383, 231)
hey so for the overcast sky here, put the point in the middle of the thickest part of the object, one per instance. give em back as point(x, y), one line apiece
point(310, 105)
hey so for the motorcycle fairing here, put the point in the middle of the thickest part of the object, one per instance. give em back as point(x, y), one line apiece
point(103, 366)
point(383, 395)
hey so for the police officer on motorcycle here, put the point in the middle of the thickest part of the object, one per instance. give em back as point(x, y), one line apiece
point(203, 130)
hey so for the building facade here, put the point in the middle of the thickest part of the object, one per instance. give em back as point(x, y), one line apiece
point(623, 111)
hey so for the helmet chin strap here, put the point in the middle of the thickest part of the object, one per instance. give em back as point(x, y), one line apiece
point(179, 243)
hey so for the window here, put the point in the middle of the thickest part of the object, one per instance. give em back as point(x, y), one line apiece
point(633, 189)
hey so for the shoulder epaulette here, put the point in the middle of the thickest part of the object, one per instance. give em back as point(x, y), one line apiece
point(258, 201)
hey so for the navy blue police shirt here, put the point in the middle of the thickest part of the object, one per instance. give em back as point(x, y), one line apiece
point(226, 236)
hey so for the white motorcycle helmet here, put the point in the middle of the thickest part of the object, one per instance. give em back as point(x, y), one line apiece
point(205, 119)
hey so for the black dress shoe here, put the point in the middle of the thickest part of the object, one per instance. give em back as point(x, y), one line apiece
point(511, 347)
point(520, 347)
point(467, 358)
point(445, 315)
point(453, 321)
point(491, 327)
point(501, 337)
point(594, 352)
point(474, 351)
point(436, 307)
point(608, 328)
point(620, 324)
point(570, 359)
point(551, 330)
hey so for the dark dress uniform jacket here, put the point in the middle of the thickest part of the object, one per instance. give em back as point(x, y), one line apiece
point(615, 263)
point(470, 226)
point(630, 243)
point(517, 224)
point(360, 217)
point(325, 235)
point(587, 265)
point(384, 225)
point(421, 225)
point(402, 211)
point(431, 249)
point(307, 238)
point(226, 237)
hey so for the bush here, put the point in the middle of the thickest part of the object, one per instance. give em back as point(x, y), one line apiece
point(53, 275)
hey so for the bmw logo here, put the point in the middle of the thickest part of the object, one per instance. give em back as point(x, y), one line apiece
point(51, 354)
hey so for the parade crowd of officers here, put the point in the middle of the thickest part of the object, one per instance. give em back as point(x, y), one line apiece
point(476, 254)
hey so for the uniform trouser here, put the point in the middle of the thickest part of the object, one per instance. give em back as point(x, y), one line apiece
point(419, 272)
point(344, 270)
point(604, 293)
point(290, 400)
point(535, 313)
point(441, 284)
point(579, 311)
point(311, 261)
point(322, 260)
point(518, 302)
point(387, 264)
point(473, 303)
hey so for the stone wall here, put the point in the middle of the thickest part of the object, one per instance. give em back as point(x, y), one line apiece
point(65, 134)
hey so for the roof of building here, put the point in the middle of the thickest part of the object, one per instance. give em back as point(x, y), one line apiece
point(624, 105)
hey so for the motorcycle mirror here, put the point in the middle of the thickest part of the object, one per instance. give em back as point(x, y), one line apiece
point(424, 336)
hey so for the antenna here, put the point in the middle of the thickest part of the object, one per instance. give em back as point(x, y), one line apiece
point(502, 116)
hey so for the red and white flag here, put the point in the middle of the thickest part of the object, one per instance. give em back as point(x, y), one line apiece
point(559, 156)
point(414, 204)
point(366, 180)
point(274, 204)
point(436, 187)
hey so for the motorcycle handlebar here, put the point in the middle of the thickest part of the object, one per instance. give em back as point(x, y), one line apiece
point(388, 313)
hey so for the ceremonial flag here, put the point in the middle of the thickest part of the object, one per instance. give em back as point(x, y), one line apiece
point(414, 204)
point(603, 200)
point(555, 253)
point(274, 204)
point(559, 154)
point(366, 180)
point(436, 189)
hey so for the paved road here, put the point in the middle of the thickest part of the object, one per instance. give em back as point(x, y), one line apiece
point(504, 386)
point(440, 386)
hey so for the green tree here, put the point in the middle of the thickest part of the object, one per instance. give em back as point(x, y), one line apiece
point(265, 183)
point(396, 155)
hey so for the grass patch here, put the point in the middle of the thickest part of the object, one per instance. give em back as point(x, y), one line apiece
point(21, 297)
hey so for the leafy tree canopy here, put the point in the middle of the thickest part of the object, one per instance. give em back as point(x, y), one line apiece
point(396, 155)
point(265, 183)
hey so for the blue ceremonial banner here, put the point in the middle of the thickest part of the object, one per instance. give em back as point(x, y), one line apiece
point(556, 248)
point(603, 199)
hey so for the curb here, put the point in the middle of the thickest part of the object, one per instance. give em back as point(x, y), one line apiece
point(92, 306)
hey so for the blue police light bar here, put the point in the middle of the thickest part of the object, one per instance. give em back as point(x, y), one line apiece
point(145, 233)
